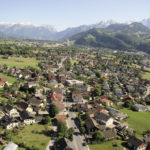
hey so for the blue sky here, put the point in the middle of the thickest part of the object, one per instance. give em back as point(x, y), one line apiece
point(71, 13)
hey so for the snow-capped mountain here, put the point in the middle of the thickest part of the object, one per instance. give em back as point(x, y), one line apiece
point(146, 22)
point(48, 32)
point(28, 30)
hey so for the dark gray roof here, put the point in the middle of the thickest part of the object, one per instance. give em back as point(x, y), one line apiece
point(135, 142)
point(25, 115)
point(102, 116)
point(91, 123)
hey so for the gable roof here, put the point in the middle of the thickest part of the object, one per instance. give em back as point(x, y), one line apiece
point(91, 123)
point(34, 101)
point(108, 134)
point(8, 107)
point(25, 115)
point(23, 105)
point(134, 141)
point(102, 116)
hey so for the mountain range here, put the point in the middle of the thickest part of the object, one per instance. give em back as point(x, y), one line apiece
point(48, 32)
point(116, 36)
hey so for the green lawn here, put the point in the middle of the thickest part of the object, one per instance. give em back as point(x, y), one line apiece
point(29, 136)
point(140, 121)
point(73, 62)
point(10, 79)
point(19, 62)
point(146, 75)
point(106, 145)
point(1, 147)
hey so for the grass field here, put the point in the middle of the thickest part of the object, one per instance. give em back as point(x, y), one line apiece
point(106, 145)
point(10, 79)
point(29, 136)
point(111, 57)
point(73, 62)
point(140, 121)
point(146, 75)
point(19, 62)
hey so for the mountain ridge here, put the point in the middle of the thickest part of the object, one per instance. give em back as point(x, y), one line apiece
point(48, 32)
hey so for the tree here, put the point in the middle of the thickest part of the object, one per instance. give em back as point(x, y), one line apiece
point(53, 110)
point(62, 129)
point(128, 103)
point(70, 133)
point(82, 129)
point(46, 120)
point(97, 91)
point(148, 146)
point(98, 136)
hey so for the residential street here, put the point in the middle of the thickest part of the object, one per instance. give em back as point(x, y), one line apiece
point(77, 139)
point(147, 92)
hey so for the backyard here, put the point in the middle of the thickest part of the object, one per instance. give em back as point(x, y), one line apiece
point(106, 145)
point(138, 120)
point(32, 136)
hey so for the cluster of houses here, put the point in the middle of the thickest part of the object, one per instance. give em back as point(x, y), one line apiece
point(60, 80)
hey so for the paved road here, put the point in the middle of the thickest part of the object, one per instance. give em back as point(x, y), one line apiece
point(52, 140)
point(77, 139)
point(147, 92)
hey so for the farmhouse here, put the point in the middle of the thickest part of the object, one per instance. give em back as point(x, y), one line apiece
point(103, 119)
point(136, 144)
point(139, 107)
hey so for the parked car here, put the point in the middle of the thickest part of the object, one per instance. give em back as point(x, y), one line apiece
point(84, 143)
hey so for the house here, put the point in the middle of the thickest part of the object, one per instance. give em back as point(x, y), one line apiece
point(82, 107)
point(136, 144)
point(11, 146)
point(99, 108)
point(139, 107)
point(74, 83)
point(26, 118)
point(1, 112)
point(77, 97)
point(63, 144)
point(147, 139)
point(32, 84)
point(53, 83)
point(128, 97)
point(61, 117)
point(59, 105)
point(91, 125)
point(103, 118)
point(109, 134)
point(2, 84)
point(4, 80)
point(35, 102)
point(107, 102)
point(56, 95)
point(11, 111)
point(8, 123)
point(22, 106)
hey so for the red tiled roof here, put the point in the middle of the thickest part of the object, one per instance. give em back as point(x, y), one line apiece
point(61, 117)
point(105, 101)
point(128, 96)
point(56, 96)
